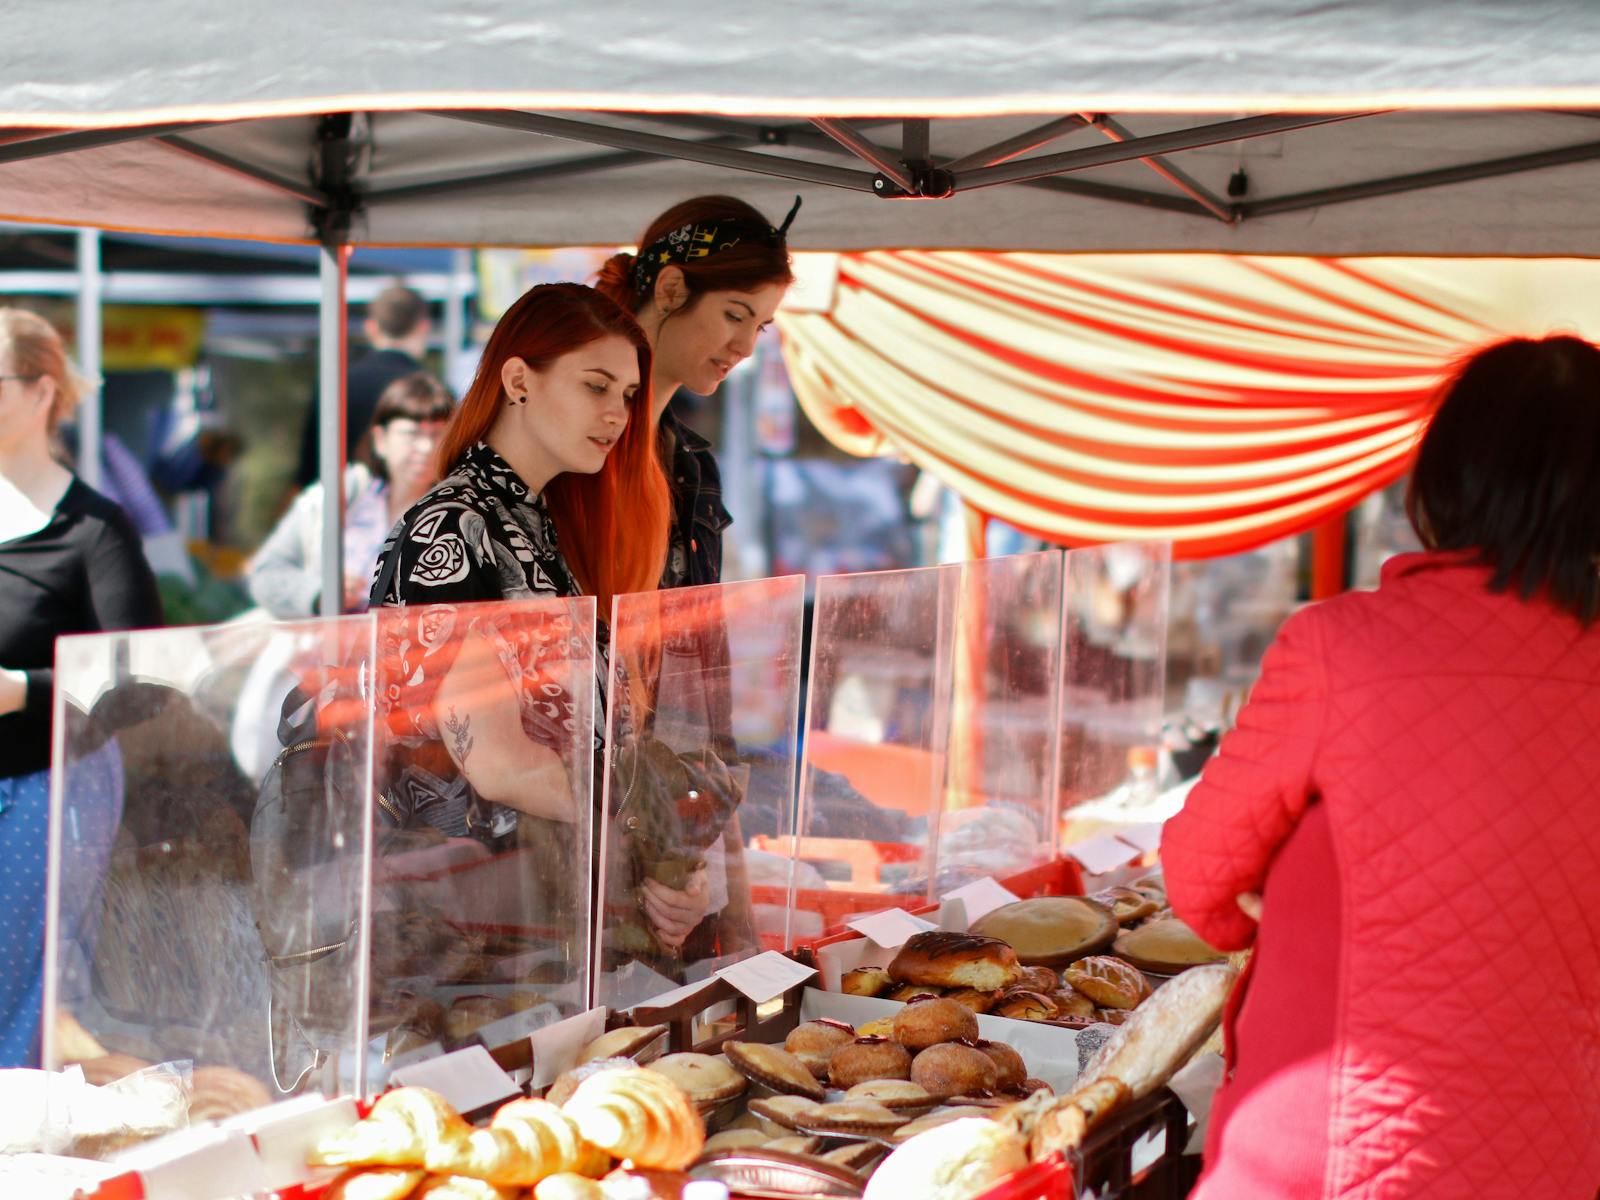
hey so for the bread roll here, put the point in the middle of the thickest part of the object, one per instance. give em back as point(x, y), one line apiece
point(955, 960)
point(1162, 1033)
point(956, 1161)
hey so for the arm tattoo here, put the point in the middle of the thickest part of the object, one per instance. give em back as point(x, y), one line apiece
point(460, 731)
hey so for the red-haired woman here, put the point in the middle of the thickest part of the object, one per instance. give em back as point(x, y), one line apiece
point(553, 432)
point(707, 279)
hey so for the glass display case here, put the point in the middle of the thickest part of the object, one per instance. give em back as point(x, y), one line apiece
point(931, 733)
point(208, 837)
point(701, 729)
point(1114, 673)
point(484, 765)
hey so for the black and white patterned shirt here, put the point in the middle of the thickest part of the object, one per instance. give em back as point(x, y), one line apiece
point(478, 535)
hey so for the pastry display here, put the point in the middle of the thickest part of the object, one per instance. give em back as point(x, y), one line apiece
point(926, 1023)
point(1164, 947)
point(868, 1058)
point(976, 999)
point(938, 1117)
point(951, 1069)
point(567, 1082)
point(378, 1183)
point(1070, 1002)
point(955, 960)
point(956, 1161)
point(467, 1014)
point(907, 992)
point(1010, 1070)
point(1109, 982)
point(898, 1095)
point(219, 1092)
point(1164, 1032)
point(1037, 979)
point(783, 1113)
point(567, 1186)
point(814, 1042)
point(1050, 931)
point(736, 1139)
point(854, 1117)
point(774, 1068)
point(854, 1156)
point(865, 981)
point(396, 1133)
point(795, 1144)
point(878, 1027)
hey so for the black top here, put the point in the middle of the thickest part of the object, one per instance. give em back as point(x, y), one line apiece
point(82, 573)
point(694, 553)
point(363, 386)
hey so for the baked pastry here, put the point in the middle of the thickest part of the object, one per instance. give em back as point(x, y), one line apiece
point(1025, 1006)
point(868, 1058)
point(950, 1069)
point(1051, 931)
point(798, 1143)
point(567, 1186)
point(782, 1112)
point(955, 1161)
point(1009, 1068)
point(1109, 982)
point(1112, 1016)
point(1165, 947)
point(897, 1095)
point(865, 981)
point(462, 1187)
point(1070, 1002)
point(938, 1117)
point(631, 1041)
point(854, 1156)
point(947, 959)
point(567, 1082)
point(907, 992)
point(547, 1132)
point(736, 1139)
point(496, 1155)
point(706, 1079)
point(854, 1117)
point(468, 1014)
point(1128, 905)
point(773, 1067)
point(1068, 1120)
point(814, 1042)
point(976, 999)
point(1037, 979)
point(109, 1068)
point(878, 1027)
point(1163, 1032)
point(396, 1133)
point(220, 1092)
point(929, 1022)
point(376, 1183)
point(638, 1115)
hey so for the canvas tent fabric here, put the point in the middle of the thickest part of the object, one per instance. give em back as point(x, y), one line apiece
point(1219, 401)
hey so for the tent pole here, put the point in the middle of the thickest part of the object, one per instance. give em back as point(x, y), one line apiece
point(89, 325)
point(455, 315)
point(1328, 542)
point(333, 262)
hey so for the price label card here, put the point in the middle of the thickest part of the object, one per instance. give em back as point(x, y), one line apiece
point(1103, 853)
point(1146, 835)
point(468, 1078)
point(766, 975)
point(891, 928)
point(982, 897)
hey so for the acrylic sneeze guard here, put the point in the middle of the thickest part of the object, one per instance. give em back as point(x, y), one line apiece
point(702, 721)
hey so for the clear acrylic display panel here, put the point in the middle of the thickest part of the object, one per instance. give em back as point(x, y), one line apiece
point(702, 722)
point(207, 853)
point(482, 842)
point(931, 734)
point(1114, 672)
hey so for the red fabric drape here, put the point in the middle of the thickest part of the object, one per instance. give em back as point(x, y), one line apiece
point(1220, 401)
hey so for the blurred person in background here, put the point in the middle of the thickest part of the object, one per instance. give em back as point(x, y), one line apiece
point(1404, 824)
point(70, 562)
point(397, 327)
point(394, 466)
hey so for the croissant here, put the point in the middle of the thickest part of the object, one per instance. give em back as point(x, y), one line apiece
point(462, 1187)
point(402, 1126)
point(495, 1156)
point(638, 1115)
point(550, 1133)
point(383, 1183)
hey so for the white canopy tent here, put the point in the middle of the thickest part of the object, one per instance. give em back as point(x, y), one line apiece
point(1265, 126)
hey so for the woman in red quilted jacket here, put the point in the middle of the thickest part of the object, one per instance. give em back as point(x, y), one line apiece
point(1413, 791)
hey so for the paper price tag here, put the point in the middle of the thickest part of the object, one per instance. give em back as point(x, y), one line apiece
point(468, 1078)
point(1146, 835)
point(766, 975)
point(982, 897)
point(1102, 853)
point(891, 928)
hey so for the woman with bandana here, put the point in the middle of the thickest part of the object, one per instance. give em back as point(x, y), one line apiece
point(707, 279)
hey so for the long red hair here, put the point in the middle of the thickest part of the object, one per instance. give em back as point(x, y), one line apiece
point(612, 525)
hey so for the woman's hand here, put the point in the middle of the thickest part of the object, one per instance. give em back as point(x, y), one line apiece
point(1250, 904)
point(673, 914)
point(13, 691)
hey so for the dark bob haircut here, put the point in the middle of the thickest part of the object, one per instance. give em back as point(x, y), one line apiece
point(416, 397)
point(1509, 468)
